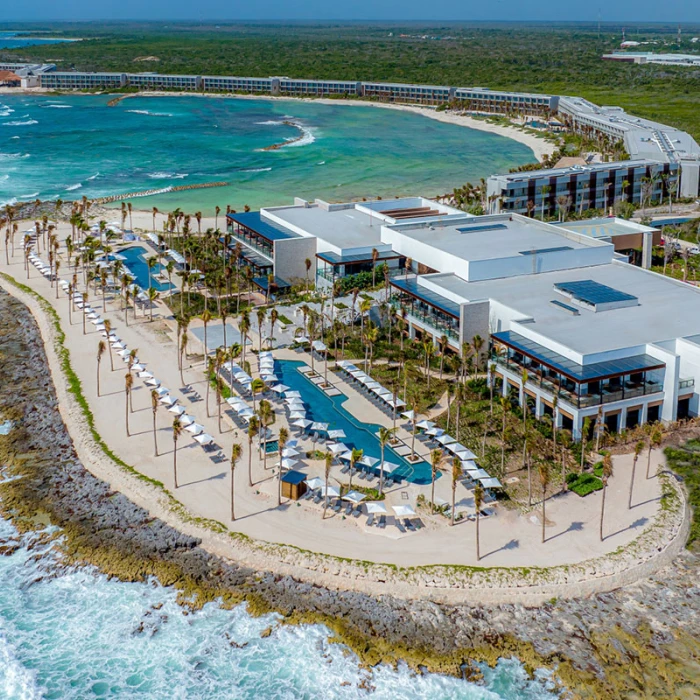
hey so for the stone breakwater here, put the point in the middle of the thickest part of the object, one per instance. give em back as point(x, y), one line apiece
point(639, 641)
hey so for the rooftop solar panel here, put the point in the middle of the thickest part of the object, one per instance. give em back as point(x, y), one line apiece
point(482, 227)
point(591, 292)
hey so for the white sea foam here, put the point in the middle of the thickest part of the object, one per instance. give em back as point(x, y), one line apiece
point(257, 170)
point(11, 202)
point(321, 162)
point(16, 681)
point(13, 156)
point(307, 138)
point(167, 176)
point(150, 114)
point(21, 123)
point(58, 106)
point(70, 188)
point(271, 122)
point(14, 137)
point(31, 195)
point(94, 177)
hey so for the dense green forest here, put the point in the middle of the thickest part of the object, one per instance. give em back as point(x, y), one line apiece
point(562, 59)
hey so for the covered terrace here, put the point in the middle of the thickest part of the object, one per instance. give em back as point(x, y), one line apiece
point(579, 385)
point(332, 266)
point(255, 232)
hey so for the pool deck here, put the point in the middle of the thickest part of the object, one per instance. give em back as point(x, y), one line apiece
point(508, 539)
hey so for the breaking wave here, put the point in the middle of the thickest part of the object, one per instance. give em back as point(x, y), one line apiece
point(70, 188)
point(21, 123)
point(167, 176)
point(13, 156)
point(257, 170)
point(150, 114)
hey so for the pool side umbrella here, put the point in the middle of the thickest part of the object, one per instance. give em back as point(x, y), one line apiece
point(280, 388)
point(292, 395)
point(269, 378)
point(465, 455)
point(491, 483)
point(152, 381)
point(408, 415)
point(337, 448)
point(425, 424)
point(246, 412)
point(390, 467)
point(195, 428)
point(323, 427)
point(162, 390)
point(137, 367)
point(403, 511)
point(330, 491)
point(479, 474)
point(346, 456)
point(353, 496)
point(376, 507)
point(445, 439)
point(117, 345)
point(437, 432)
point(290, 452)
point(296, 415)
point(336, 434)
point(470, 465)
point(314, 483)
point(167, 400)
point(288, 463)
point(302, 423)
point(368, 461)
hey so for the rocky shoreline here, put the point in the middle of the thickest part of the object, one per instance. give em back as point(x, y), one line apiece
point(639, 641)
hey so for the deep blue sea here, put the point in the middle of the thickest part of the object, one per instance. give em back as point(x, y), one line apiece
point(75, 635)
point(68, 146)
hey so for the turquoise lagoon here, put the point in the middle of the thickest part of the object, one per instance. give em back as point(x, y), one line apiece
point(68, 146)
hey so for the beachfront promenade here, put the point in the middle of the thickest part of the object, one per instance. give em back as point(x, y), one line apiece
point(508, 539)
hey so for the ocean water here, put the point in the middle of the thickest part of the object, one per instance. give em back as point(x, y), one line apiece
point(68, 146)
point(74, 635)
point(10, 40)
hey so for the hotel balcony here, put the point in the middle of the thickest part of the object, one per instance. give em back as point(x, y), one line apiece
point(580, 386)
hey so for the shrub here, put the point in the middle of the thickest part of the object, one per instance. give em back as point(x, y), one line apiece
point(585, 484)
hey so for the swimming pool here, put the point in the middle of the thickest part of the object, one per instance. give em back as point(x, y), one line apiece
point(135, 260)
point(329, 409)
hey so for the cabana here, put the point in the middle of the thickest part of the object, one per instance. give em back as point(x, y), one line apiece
point(294, 485)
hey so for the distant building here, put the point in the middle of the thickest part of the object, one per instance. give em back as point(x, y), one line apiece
point(401, 92)
point(501, 101)
point(158, 81)
point(9, 79)
point(82, 81)
point(217, 83)
point(666, 59)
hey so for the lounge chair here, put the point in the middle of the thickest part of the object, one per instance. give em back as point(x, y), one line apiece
point(409, 525)
point(318, 498)
point(417, 523)
point(400, 527)
point(348, 510)
point(370, 520)
point(357, 512)
point(337, 506)
point(382, 522)
point(308, 495)
point(345, 469)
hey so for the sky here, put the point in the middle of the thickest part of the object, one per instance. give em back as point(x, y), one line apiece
point(554, 10)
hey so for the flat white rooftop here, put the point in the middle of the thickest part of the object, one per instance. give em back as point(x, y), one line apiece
point(666, 309)
point(606, 227)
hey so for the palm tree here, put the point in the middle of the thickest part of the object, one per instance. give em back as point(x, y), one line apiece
point(177, 431)
point(365, 307)
point(355, 456)
point(153, 295)
point(543, 470)
point(257, 386)
point(444, 340)
point(478, 501)
point(211, 368)
point(154, 408)
point(274, 315)
point(266, 416)
point(436, 458)
point(638, 448)
point(236, 452)
point(101, 347)
point(505, 409)
point(85, 300)
point(654, 441)
point(428, 351)
point(385, 436)
point(607, 473)
point(327, 471)
point(281, 442)
point(108, 329)
point(252, 432)
point(128, 383)
point(456, 476)
point(477, 344)
point(307, 265)
point(375, 257)
point(260, 315)
point(492, 380)
point(584, 439)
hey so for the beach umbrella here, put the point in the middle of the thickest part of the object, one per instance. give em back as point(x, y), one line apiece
point(177, 410)
point(408, 415)
point(337, 448)
point(491, 483)
point(330, 491)
point(343, 363)
point(425, 424)
point(296, 415)
point(288, 463)
point(162, 391)
point(336, 434)
point(194, 428)
point(477, 474)
point(435, 431)
point(470, 465)
point(100, 326)
point(368, 461)
point(290, 452)
point(389, 467)
point(186, 420)
point(236, 403)
point(301, 339)
point(152, 382)
point(465, 454)
point(117, 344)
point(145, 374)
point(346, 456)
point(376, 507)
point(92, 314)
point(403, 511)
point(246, 412)
point(302, 423)
point(123, 353)
point(204, 439)
point(280, 388)
point(314, 483)
point(319, 426)
point(319, 346)
point(445, 439)
point(269, 378)
point(137, 367)
point(353, 496)
point(292, 395)
point(167, 400)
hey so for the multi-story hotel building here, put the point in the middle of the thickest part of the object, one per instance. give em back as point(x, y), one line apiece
point(290, 86)
point(217, 83)
point(82, 81)
point(500, 101)
point(400, 92)
point(596, 186)
point(157, 81)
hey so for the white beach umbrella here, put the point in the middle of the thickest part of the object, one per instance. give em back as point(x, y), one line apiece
point(290, 452)
point(246, 412)
point(408, 415)
point(314, 483)
point(280, 388)
point(195, 428)
point(346, 456)
point(491, 483)
point(302, 423)
point(100, 326)
point(353, 497)
point(336, 434)
point(329, 491)
point(204, 439)
point(368, 461)
point(136, 367)
point(269, 378)
point(162, 391)
point(437, 432)
point(465, 454)
point(296, 415)
point(168, 400)
point(389, 467)
point(470, 465)
point(152, 382)
point(288, 463)
point(445, 439)
point(301, 339)
point(186, 420)
point(479, 474)
point(123, 353)
point(292, 395)
point(337, 448)
point(403, 511)
point(177, 410)
point(376, 507)
point(145, 374)
point(319, 426)
point(319, 346)
point(425, 424)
